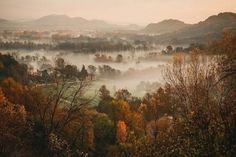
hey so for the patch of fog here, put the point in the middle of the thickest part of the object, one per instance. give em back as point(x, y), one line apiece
point(131, 60)
point(132, 73)
point(133, 70)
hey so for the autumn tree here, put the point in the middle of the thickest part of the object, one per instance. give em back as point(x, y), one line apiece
point(121, 134)
point(198, 106)
point(13, 128)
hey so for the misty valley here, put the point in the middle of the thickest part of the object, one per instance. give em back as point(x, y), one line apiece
point(134, 71)
point(76, 87)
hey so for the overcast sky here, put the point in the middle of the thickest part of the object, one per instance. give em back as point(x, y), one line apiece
point(118, 11)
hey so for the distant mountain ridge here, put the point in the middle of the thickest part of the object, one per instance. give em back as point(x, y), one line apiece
point(165, 26)
point(70, 23)
point(62, 22)
point(209, 29)
point(166, 31)
point(66, 20)
point(3, 20)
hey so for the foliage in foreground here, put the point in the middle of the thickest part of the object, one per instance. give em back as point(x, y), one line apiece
point(194, 114)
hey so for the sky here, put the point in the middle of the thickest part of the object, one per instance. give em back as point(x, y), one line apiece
point(118, 11)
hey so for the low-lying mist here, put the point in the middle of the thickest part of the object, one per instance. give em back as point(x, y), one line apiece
point(139, 71)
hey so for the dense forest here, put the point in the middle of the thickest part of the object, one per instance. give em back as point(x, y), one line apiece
point(193, 114)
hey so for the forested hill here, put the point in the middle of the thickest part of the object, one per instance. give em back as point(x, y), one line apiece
point(165, 26)
point(207, 30)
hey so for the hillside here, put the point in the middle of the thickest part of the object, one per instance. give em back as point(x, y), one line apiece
point(165, 26)
point(64, 22)
point(58, 22)
point(68, 23)
point(3, 20)
point(8, 25)
point(207, 30)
